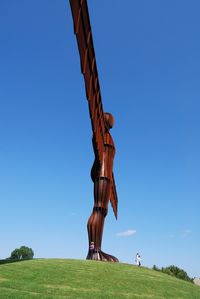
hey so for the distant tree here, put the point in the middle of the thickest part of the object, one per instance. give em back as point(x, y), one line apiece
point(177, 272)
point(15, 254)
point(22, 253)
point(174, 271)
point(155, 268)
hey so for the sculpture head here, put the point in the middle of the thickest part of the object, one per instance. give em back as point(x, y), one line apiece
point(109, 120)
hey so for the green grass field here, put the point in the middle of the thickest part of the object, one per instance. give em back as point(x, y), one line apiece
point(59, 278)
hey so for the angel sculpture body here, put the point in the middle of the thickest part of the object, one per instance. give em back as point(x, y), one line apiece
point(103, 145)
point(102, 177)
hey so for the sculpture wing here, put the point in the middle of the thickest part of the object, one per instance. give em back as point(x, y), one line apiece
point(82, 29)
point(114, 199)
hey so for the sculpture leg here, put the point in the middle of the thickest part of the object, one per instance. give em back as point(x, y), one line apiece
point(102, 192)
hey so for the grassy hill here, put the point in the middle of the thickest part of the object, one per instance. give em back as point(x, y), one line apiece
point(59, 278)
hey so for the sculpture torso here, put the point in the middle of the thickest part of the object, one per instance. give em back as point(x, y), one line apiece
point(106, 169)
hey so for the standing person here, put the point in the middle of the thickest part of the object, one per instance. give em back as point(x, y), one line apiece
point(91, 250)
point(92, 247)
point(138, 260)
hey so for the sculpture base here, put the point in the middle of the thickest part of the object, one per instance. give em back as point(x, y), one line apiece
point(98, 255)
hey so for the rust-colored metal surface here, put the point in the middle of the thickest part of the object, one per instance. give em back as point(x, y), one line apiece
point(103, 145)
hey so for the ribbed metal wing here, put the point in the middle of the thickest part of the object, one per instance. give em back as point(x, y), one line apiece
point(83, 32)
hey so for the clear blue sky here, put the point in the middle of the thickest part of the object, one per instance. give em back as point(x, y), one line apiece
point(148, 57)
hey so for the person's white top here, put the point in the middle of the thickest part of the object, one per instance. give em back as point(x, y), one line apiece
point(138, 259)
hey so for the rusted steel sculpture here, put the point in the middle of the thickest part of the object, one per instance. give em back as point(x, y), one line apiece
point(104, 149)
